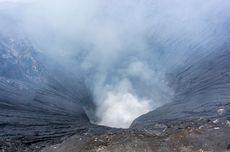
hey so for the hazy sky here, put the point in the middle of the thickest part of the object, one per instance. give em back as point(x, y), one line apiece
point(16, 0)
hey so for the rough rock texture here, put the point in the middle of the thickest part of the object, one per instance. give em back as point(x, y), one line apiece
point(196, 136)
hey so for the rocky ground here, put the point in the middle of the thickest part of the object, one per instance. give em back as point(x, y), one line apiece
point(201, 135)
point(194, 136)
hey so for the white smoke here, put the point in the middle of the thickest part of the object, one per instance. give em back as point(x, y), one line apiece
point(124, 48)
point(121, 105)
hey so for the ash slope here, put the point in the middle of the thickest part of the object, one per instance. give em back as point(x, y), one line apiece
point(39, 103)
point(201, 91)
point(36, 106)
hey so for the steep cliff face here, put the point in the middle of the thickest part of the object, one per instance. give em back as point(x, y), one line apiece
point(201, 91)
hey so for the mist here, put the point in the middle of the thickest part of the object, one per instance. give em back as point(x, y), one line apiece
point(124, 50)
